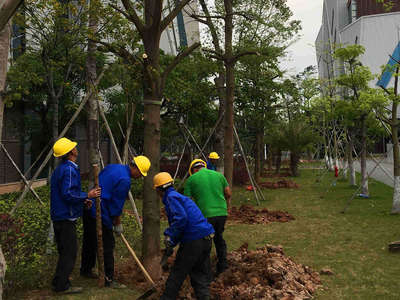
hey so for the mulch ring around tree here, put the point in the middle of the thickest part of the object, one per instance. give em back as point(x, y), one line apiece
point(266, 273)
point(288, 184)
point(247, 214)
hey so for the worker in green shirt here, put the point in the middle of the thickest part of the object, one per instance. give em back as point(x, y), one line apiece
point(210, 191)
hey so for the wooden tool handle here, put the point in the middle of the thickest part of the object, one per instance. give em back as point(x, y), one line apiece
point(96, 175)
point(99, 230)
point(137, 260)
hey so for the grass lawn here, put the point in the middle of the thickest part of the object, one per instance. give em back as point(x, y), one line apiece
point(353, 245)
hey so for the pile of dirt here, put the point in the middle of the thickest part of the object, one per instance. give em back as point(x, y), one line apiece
point(247, 214)
point(265, 273)
point(288, 184)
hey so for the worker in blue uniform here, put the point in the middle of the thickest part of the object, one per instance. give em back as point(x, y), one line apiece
point(115, 183)
point(189, 229)
point(66, 206)
point(212, 162)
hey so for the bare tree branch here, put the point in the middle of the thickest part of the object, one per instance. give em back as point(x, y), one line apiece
point(7, 10)
point(239, 55)
point(176, 61)
point(214, 54)
point(171, 16)
point(133, 16)
point(119, 51)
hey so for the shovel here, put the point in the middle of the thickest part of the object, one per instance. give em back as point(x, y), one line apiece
point(153, 289)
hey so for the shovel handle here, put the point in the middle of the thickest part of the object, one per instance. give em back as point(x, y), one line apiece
point(137, 260)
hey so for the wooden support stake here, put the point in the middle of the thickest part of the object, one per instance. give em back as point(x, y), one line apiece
point(49, 154)
point(99, 230)
point(20, 173)
point(247, 166)
point(103, 116)
point(180, 158)
point(202, 149)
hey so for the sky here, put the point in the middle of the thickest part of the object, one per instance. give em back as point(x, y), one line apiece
point(302, 53)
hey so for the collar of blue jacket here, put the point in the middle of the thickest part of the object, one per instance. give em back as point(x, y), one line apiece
point(186, 222)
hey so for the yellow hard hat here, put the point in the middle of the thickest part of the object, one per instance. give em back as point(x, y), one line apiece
point(142, 163)
point(162, 179)
point(63, 146)
point(213, 155)
point(196, 162)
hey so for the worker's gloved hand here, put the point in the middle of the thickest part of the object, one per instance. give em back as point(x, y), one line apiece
point(118, 229)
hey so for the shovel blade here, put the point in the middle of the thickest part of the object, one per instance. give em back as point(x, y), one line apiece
point(147, 294)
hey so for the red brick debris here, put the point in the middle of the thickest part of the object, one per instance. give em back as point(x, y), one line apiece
point(262, 274)
point(247, 214)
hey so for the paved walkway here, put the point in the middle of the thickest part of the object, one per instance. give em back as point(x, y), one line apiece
point(378, 174)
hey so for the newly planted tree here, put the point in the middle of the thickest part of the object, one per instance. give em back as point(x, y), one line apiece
point(147, 18)
point(355, 81)
point(249, 28)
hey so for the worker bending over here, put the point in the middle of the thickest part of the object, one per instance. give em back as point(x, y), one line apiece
point(189, 229)
point(211, 192)
point(115, 183)
point(66, 206)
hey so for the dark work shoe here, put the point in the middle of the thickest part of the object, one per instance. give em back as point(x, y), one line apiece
point(72, 290)
point(90, 275)
point(115, 285)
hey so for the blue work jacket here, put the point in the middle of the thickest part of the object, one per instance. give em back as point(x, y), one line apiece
point(186, 222)
point(211, 166)
point(115, 183)
point(66, 196)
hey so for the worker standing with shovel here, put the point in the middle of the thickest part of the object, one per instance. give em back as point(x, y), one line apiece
point(115, 183)
point(189, 229)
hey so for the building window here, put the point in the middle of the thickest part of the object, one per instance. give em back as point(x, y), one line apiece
point(352, 10)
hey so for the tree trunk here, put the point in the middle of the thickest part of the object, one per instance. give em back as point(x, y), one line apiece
point(130, 118)
point(91, 106)
point(258, 156)
point(230, 93)
point(294, 163)
point(3, 267)
point(7, 10)
point(54, 129)
point(352, 171)
point(219, 132)
point(396, 169)
point(4, 49)
point(278, 161)
point(335, 147)
point(396, 160)
point(151, 203)
point(364, 174)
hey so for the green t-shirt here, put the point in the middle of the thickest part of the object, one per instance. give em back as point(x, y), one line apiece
point(206, 188)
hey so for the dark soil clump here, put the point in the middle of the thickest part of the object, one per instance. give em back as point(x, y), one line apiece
point(265, 273)
point(247, 214)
